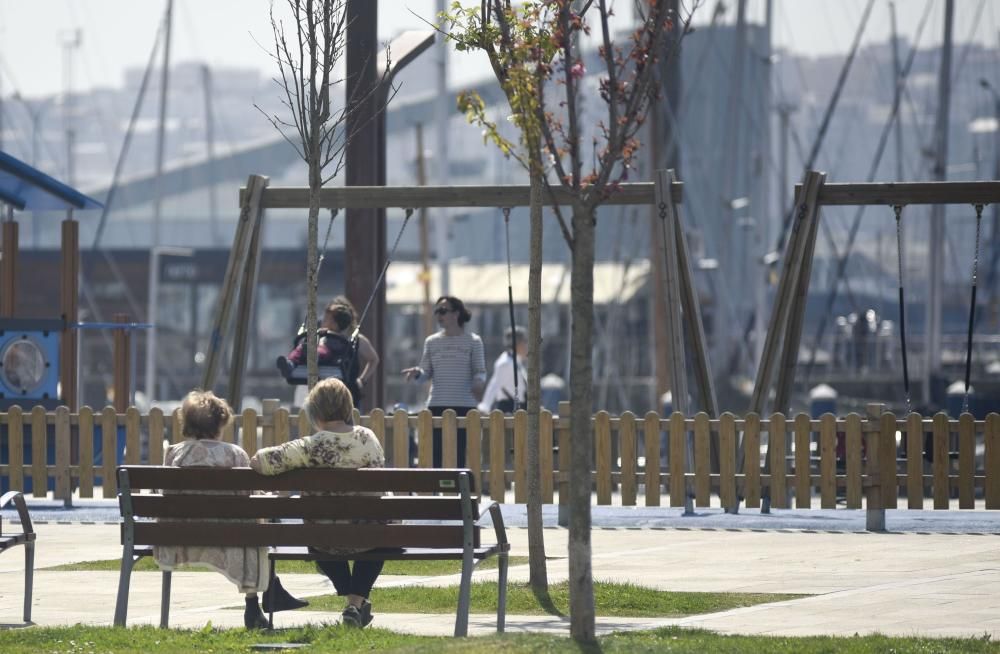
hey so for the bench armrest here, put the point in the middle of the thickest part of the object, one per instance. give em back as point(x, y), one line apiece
point(496, 517)
point(22, 509)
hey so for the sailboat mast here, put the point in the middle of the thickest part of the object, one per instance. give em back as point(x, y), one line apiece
point(896, 74)
point(936, 236)
point(160, 129)
point(213, 203)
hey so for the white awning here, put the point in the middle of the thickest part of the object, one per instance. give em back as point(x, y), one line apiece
point(487, 283)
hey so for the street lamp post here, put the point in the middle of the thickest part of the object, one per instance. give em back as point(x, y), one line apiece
point(152, 311)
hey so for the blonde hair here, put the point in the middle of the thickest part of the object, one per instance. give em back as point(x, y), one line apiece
point(329, 400)
point(203, 415)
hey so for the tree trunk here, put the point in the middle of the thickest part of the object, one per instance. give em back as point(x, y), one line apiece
point(312, 263)
point(581, 583)
point(538, 575)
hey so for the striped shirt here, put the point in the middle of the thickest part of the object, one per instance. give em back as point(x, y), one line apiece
point(452, 363)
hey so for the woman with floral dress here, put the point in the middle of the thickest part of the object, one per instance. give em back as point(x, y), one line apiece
point(336, 444)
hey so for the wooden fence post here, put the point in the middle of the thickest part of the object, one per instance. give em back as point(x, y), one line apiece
point(875, 511)
point(268, 408)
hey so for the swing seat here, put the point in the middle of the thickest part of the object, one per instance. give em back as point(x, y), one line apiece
point(299, 375)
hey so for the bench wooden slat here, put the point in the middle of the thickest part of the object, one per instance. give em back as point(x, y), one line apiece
point(206, 533)
point(398, 554)
point(357, 507)
point(395, 554)
point(308, 480)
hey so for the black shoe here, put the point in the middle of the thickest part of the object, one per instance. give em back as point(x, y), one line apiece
point(276, 598)
point(351, 617)
point(252, 616)
point(366, 613)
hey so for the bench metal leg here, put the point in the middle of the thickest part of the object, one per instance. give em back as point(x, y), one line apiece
point(502, 593)
point(270, 582)
point(464, 597)
point(124, 577)
point(165, 600)
point(29, 578)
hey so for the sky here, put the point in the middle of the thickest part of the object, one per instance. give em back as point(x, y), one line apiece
point(118, 34)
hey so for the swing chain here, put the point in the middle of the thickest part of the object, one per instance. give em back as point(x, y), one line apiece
point(898, 210)
point(381, 275)
point(326, 240)
point(506, 222)
point(972, 307)
point(975, 259)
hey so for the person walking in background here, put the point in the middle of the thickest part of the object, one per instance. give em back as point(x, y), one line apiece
point(500, 391)
point(336, 444)
point(454, 362)
point(203, 417)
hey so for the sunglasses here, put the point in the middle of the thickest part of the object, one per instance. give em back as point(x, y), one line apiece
point(440, 311)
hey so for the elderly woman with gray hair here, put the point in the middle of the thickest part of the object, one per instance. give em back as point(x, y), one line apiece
point(336, 444)
point(203, 417)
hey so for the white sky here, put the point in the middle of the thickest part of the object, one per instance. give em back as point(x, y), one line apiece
point(117, 34)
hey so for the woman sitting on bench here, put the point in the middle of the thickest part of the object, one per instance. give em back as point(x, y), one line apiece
point(203, 417)
point(336, 444)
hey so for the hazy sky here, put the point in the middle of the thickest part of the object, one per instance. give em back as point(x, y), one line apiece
point(116, 34)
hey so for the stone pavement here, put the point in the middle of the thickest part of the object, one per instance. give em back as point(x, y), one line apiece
point(858, 582)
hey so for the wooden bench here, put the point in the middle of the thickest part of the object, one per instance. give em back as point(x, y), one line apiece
point(444, 502)
point(25, 538)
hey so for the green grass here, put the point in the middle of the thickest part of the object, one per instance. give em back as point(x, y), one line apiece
point(328, 638)
point(412, 568)
point(610, 598)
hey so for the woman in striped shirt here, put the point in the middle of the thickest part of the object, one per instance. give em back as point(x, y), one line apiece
point(454, 363)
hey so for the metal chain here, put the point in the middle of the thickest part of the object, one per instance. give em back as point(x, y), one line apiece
point(326, 240)
point(898, 210)
point(972, 308)
point(381, 275)
point(506, 222)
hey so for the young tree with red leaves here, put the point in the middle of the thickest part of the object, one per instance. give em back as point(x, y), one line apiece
point(533, 47)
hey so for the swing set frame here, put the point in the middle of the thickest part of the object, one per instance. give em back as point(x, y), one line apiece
point(240, 279)
point(784, 328)
point(788, 309)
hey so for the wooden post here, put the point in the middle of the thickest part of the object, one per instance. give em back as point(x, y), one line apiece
point(122, 364)
point(797, 307)
point(250, 215)
point(780, 324)
point(268, 408)
point(244, 314)
point(875, 511)
point(8, 271)
point(364, 161)
point(671, 288)
point(69, 304)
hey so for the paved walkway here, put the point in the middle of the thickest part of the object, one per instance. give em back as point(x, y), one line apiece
point(857, 582)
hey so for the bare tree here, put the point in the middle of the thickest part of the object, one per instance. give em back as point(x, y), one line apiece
point(308, 77)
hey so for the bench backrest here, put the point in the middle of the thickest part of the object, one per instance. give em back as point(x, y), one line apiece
point(221, 506)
